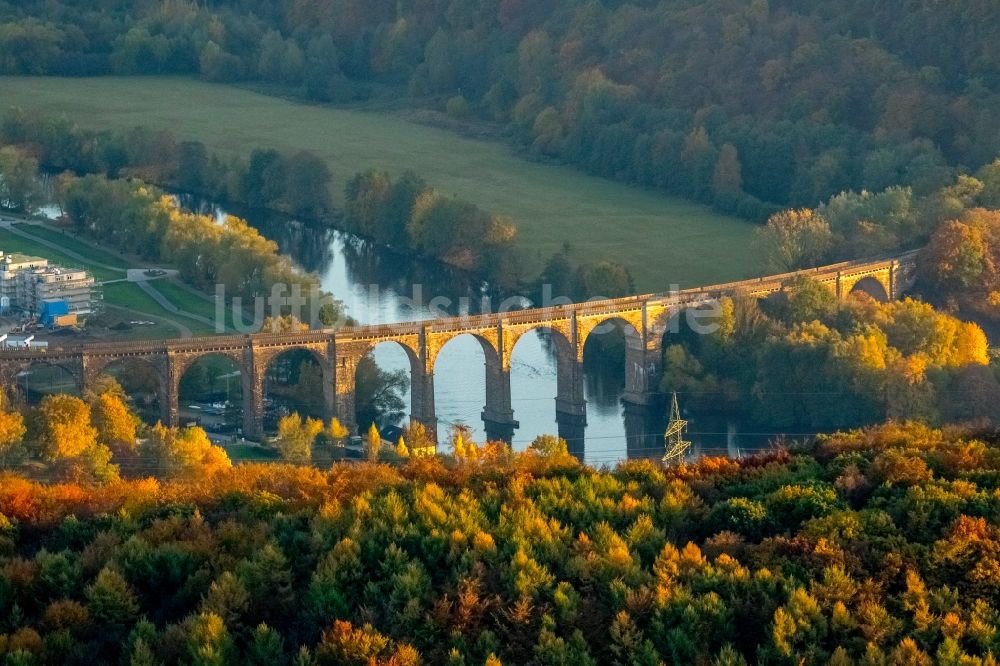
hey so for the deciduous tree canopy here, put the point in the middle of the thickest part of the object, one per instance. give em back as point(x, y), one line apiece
point(865, 547)
point(735, 103)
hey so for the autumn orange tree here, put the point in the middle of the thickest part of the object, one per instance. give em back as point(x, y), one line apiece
point(963, 257)
point(12, 430)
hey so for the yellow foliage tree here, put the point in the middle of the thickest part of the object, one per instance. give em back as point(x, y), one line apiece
point(185, 453)
point(11, 429)
point(373, 443)
point(971, 346)
point(195, 453)
point(471, 450)
point(283, 324)
point(914, 327)
point(296, 436)
point(115, 422)
point(61, 428)
point(337, 431)
point(418, 441)
point(549, 446)
point(401, 449)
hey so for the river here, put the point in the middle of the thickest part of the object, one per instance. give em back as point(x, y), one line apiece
point(378, 286)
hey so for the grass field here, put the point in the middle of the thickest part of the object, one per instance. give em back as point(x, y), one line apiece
point(184, 299)
point(663, 240)
point(13, 243)
point(187, 301)
point(130, 295)
point(96, 255)
point(175, 293)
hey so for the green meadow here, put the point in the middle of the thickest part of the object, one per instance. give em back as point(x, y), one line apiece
point(11, 243)
point(662, 240)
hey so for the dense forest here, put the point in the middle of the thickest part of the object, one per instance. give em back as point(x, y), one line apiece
point(749, 105)
point(870, 547)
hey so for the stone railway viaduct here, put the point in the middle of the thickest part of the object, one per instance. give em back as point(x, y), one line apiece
point(645, 319)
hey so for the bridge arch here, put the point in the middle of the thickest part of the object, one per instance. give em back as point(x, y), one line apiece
point(490, 353)
point(37, 379)
point(630, 322)
point(389, 356)
point(565, 352)
point(294, 380)
point(210, 391)
point(143, 381)
point(181, 363)
point(871, 286)
point(268, 359)
point(559, 339)
point(633, 351)
point(530, 361)
point(465, 397)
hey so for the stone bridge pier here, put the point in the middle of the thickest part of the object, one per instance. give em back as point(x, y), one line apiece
point(498, 413)
point(257, 358)
point(571, 403)
point(422, 402)
point(348, 353)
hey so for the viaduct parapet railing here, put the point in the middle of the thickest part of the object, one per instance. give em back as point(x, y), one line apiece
point(645, 320)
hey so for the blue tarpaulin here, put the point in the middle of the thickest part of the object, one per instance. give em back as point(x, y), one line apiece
point(51, 310)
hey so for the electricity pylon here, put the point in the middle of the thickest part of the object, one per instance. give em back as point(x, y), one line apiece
point(673, 439)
